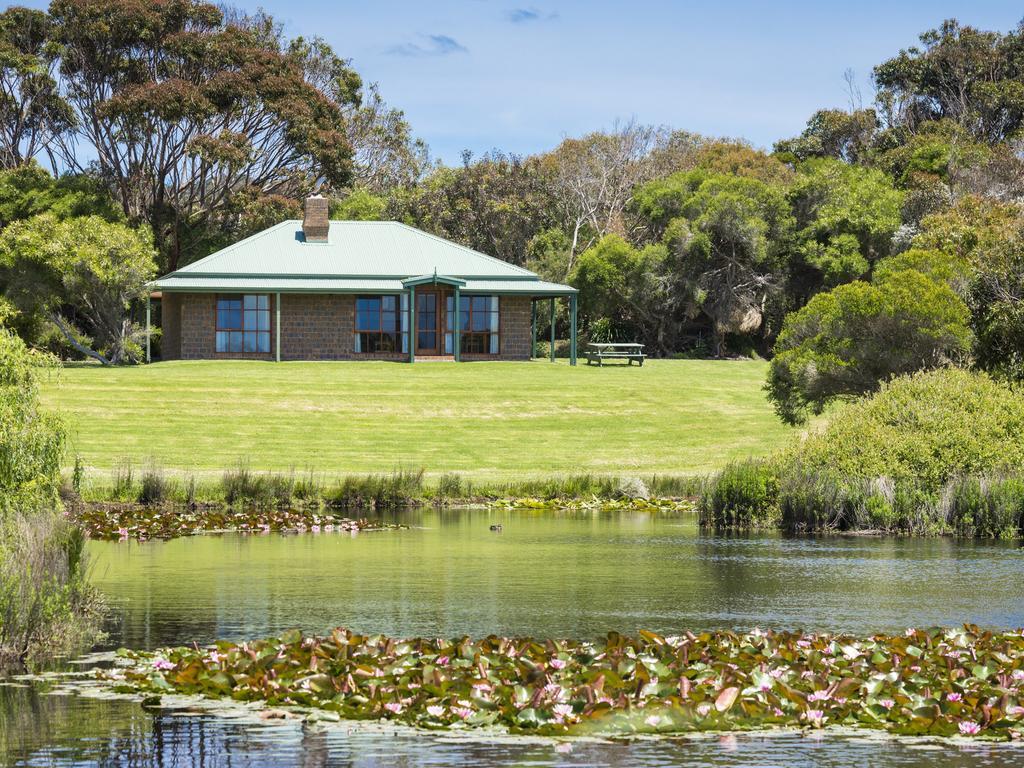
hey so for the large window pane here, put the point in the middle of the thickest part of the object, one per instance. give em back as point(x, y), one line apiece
point(250, 302)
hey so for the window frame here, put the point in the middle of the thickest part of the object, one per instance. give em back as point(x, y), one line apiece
point(260, 309)
point(400, 334)
point(466, 332)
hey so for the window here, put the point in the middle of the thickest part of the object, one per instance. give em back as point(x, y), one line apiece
point(243, 323)
point(382, 324)
point(478, 328)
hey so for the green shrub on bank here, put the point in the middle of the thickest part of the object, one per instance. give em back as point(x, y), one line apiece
point(46, 605)
point(935, 452)
point(743, 495)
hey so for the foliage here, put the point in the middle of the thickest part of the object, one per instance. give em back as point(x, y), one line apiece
point(743, 495)
point(495, 205)
point(835, 133)
point(847, 341)
point(82, 274)
point(927, 428)
point(969, 76)
point(846, 216)
point(359, 205)
point(46, 605)
point(626, 288)
point(937, 682)
point(28, 190)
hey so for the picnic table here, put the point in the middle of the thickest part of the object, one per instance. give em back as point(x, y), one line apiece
point(601, 351)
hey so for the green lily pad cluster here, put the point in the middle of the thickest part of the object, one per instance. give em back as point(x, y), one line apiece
point(939, 682)
point(138, 522)
point(596, 504)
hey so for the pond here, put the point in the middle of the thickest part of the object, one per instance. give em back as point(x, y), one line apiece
point(546, 574)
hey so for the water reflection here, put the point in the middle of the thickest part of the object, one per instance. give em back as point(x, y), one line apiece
point(69, 731)
point(563, 575)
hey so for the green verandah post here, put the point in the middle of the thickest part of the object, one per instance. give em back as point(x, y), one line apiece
point(456, 322)
point(552, 350)
point(277, 327)
point(412, 323)
point(148, 299)
point(572, 329)
point(533, 328)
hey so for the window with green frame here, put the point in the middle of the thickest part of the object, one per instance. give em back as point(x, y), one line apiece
point(479, 325)
point(382, 324)
point(243, 323)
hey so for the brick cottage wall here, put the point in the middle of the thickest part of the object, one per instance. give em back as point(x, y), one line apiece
point(170, 326)
point(313, 327)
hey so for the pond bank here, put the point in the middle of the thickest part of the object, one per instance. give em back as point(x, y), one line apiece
point(953, 682)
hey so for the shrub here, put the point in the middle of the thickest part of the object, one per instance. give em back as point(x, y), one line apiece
point(926, 428)
point(154, 487)
point(46, 605)
point(846, 342)
point(243, 486)
point(743, 495)
point(449, 486)
point(984, 506)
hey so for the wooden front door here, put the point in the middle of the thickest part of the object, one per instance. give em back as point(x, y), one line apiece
point(429, 333)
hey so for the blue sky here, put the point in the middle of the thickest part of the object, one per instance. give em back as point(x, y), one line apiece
point(521, 75)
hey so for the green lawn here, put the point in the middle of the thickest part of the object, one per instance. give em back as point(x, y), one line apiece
point(485, 420)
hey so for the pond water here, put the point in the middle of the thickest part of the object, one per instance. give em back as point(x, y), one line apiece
point(546, 574)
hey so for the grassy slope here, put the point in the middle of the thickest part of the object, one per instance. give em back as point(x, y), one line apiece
point(486, 420)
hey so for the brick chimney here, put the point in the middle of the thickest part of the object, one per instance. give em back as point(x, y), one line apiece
point(315, 222)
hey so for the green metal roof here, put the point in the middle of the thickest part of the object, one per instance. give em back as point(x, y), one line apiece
point(359, 256)
point(229, 284)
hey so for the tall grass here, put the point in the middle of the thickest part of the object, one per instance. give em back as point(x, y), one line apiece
point(743, 495)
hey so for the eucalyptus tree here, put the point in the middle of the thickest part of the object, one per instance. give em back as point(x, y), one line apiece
point(184, 106)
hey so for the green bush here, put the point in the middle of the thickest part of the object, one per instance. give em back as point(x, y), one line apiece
point(243, 486)
point(743, 495)
point(926, 428)
point(46, 604)
point(934, 452)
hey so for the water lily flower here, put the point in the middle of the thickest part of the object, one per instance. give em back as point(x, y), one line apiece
point(435, 710)
point(122, 532)
point(557, 664)
point(1017, 674)
point(442, 661)
point(394, 707)
point(969, 728)
point(653, 721)
point(703, 708)
point(776, 672)
point(816, 717)
point(766, 685)
point(314, 528)
point(953, 696)
point(819, 696)
point(778, 712)
point(803, 643)
point(162, 664)
point(561, 712)
point(910, 632)
point(887, 703)
point(462, 712)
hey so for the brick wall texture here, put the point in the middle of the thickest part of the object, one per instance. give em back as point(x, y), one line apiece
point(313, 327)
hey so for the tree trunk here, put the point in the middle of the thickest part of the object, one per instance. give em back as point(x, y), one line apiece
point(75, 342)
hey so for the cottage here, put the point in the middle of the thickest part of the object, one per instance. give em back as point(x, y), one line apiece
point(347, 290)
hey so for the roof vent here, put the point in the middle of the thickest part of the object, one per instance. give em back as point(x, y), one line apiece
point(316, 222)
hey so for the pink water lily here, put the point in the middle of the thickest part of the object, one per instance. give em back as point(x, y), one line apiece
point(819, 696)
point(557, 664)
point(816, 717)
point(394, 707)
point(435, 710)
point(953, 696)
point(561, 712)
point(442, 661)
point(969, 728)
point(462, 712)
point(887, 703)
point(703, 708)
point(653, 721)
point(159, 663)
